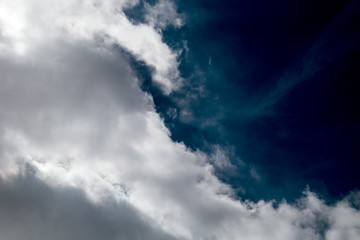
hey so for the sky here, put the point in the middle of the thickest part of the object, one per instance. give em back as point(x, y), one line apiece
point(184, 120)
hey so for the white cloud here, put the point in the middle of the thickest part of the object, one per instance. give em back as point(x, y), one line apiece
point(163, 14)
point(220, 159)
point(87, 143)
point(345, 219)
point(26, 23)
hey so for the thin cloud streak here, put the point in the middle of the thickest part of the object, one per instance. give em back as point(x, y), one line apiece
point(327, 48)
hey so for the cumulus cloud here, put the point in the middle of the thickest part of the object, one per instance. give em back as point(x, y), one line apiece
point(84, 155)
point(24, 24)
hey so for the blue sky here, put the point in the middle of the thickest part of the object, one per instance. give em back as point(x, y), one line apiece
point(133, 119)
point(276, 83)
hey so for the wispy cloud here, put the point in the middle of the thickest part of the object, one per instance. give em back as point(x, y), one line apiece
point(328, 47)
point(163, 14)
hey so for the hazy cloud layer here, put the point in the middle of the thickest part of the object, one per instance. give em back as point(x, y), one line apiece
point(84, 155)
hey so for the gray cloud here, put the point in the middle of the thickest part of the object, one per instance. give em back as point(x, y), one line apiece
point(30, 209)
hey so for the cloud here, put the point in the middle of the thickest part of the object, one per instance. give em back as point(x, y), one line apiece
point(345, 219)
point(25, 24)
point(85, 155)
point(163, 14)
point(30, 209)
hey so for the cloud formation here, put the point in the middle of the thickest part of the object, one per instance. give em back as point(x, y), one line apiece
point(162, 14)
point(85, 155)
point(24, 24)
point(30, 209)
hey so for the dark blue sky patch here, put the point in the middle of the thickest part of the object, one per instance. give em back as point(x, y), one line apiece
point(278, 82)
